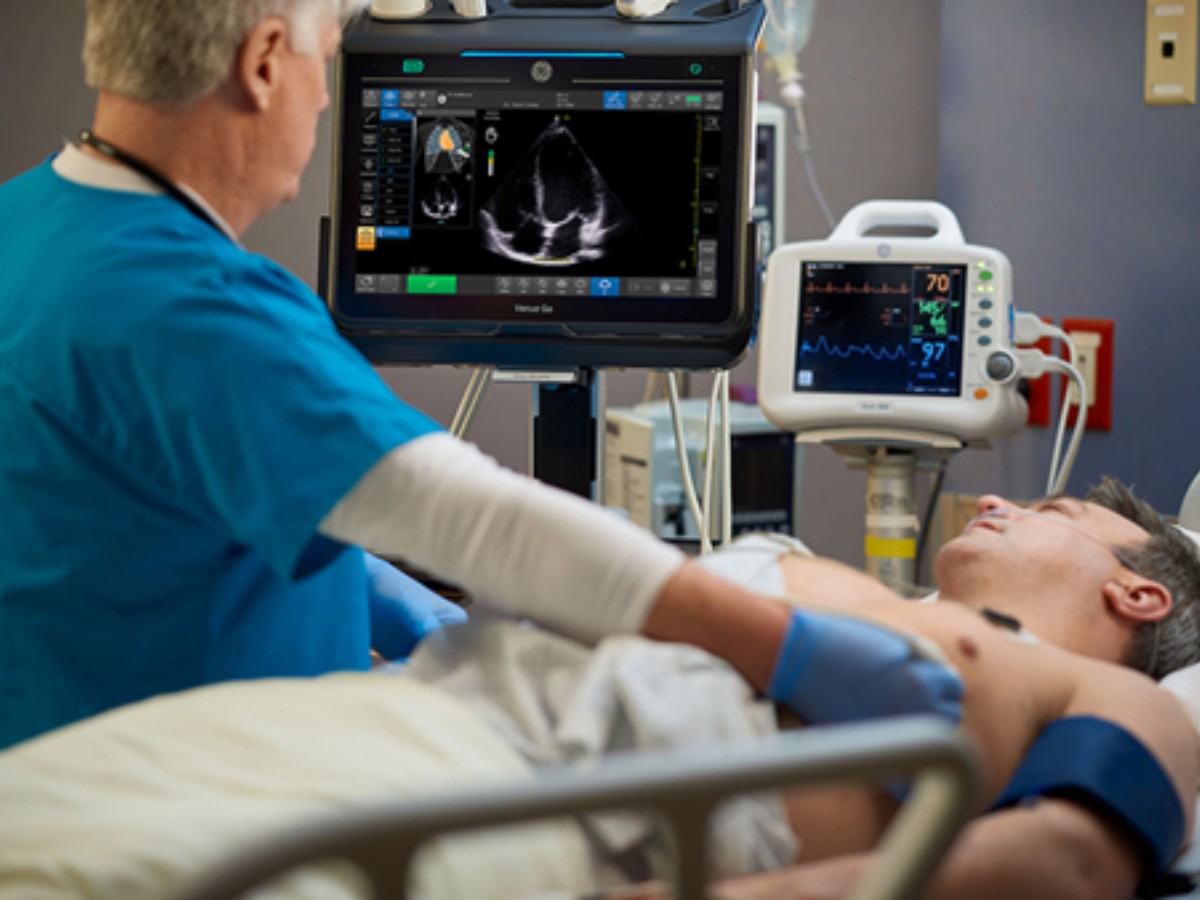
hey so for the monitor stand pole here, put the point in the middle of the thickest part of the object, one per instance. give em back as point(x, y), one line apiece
point(567, 440)
point(892, 521)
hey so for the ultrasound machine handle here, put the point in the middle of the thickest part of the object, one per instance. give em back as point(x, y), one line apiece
point(872, 214)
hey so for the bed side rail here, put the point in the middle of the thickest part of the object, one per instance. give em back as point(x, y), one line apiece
point(683, 787)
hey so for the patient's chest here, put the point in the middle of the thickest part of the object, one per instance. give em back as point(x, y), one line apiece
point(1012, 686)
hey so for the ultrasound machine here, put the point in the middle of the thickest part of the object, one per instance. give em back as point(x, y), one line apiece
point(546, 187)
point(549, 189)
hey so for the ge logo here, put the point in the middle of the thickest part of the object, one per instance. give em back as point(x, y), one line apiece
point(541, 71)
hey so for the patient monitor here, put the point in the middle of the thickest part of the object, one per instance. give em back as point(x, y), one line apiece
point(891, 341)
point(890, 338)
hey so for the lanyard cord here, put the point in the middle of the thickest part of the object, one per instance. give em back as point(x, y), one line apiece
point(149, 173)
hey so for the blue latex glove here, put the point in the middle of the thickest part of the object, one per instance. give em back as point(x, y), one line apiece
point(403, 610)
point(834, 668)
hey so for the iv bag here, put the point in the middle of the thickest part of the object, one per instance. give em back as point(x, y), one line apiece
point(789, 24)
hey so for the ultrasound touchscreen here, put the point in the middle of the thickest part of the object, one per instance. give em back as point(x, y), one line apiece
point(601, 200)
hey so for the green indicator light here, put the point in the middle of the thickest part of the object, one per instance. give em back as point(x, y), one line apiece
point(413, 66)
point(692, 99)
point(695, 68)
point(432, 284)
point(986, 275)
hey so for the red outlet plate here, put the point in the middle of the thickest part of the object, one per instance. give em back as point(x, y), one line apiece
point(1041, 392)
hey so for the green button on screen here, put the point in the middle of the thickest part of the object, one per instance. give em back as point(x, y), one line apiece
point(432, 284)
point(413, 66)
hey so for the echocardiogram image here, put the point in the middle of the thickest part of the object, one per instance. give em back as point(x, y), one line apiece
point(445, 171)
point(554, 208)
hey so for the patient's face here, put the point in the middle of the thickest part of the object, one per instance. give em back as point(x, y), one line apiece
point(1096, 524)
point(1044, 564)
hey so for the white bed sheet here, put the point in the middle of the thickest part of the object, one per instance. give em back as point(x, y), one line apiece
point(134, 803)
point(557, 702)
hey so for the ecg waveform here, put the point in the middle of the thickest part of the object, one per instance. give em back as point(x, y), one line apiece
point(823, 348)
point(865, 287)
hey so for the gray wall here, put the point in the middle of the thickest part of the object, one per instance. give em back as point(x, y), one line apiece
point(871, 71)
point(1048, 153)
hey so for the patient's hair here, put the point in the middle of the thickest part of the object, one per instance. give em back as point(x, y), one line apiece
point(1170, 558)
point(171, 52)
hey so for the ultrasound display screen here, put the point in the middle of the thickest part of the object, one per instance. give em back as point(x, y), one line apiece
point(880, 328)
point(594, 196)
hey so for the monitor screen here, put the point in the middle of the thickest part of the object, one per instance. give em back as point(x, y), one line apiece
point(880, 328)
point(551, 200)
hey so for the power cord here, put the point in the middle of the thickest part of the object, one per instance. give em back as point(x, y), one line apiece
point(481, 378)
point(1028, 329)
point(718, 408)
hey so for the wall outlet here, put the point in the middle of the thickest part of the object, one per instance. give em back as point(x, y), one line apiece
point(1093, 340)
point(1170, 75)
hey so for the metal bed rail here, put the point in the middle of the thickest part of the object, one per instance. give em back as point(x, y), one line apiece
point(684, 788)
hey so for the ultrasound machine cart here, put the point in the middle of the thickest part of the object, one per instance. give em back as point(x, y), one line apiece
point(547, 189)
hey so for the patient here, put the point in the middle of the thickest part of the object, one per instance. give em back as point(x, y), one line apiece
point(1047, 600)
point(1045, 615)
point(1082, 574)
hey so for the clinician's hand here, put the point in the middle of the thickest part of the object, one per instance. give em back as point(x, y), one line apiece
point(403, 610)
point(835, 668)
point(827, 667)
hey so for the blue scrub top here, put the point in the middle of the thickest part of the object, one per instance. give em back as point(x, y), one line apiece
point(176, 417)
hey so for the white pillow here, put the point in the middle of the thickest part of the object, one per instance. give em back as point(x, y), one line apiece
point(1185, 685)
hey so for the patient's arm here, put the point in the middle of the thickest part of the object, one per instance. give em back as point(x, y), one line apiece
point(746, 629)
point(1054, 850)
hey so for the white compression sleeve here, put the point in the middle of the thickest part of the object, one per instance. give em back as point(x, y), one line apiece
point(443, 506)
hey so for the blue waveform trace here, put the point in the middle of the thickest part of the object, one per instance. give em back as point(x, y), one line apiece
point(823, 347)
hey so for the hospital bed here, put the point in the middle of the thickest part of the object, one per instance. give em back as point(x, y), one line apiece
point(200, 795)
point(203, 794)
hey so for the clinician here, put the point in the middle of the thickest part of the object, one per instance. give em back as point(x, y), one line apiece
point(191, 457)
